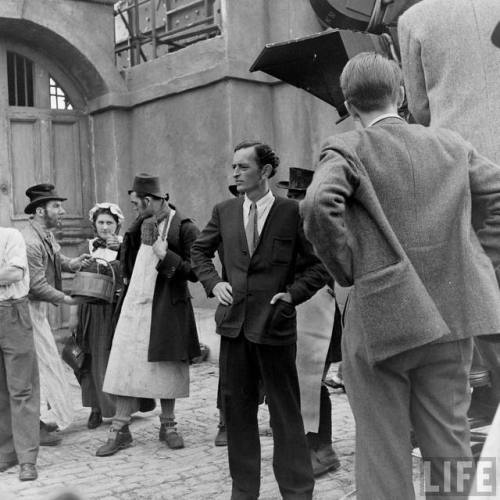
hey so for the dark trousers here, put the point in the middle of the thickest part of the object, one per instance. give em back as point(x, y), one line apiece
point(19, 385)
point(242, 365)
point(427, 388)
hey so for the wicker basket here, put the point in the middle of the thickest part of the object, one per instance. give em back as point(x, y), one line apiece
point(96, 287)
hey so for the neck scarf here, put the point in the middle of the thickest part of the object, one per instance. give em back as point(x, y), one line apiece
point(150, 222)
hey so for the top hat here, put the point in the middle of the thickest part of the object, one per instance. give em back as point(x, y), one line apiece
point(147, 185)
point(300, 178)
point(39, 194)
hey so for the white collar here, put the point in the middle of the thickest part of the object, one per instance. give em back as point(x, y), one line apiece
point(383, 117)
point(267, 199)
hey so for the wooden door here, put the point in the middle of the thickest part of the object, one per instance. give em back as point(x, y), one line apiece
point(44, 137)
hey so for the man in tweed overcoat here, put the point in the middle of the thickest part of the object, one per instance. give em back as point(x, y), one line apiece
point(389, 212)
point(452, 78)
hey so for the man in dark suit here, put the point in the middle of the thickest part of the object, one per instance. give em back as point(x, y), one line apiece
point(389, 212)
point(259, 237)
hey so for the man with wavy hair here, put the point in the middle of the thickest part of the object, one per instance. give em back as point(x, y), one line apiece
point(259, 237)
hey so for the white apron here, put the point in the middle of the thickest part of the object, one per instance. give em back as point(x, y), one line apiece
point(314, 331)
point(54, 385)
point(129, 373)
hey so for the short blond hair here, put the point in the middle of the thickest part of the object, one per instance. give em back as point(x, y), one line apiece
point(370, 81)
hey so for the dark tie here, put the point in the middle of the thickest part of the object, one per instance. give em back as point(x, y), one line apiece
point(251, 228)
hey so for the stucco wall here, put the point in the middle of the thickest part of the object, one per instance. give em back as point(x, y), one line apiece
point(180, 116)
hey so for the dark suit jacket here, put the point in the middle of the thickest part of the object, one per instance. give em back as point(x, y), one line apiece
point(389, 212)
point(255, 279)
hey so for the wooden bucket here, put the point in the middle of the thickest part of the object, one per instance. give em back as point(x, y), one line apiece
point(95, 288)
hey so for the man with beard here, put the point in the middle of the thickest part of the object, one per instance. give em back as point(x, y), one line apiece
point(155, 337)
point(45, 266)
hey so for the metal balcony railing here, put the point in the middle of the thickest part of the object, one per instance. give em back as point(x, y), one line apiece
point(147, 29)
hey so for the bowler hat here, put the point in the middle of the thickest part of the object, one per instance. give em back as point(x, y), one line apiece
point(147, 185)
point(39, 194)
point(300, 178)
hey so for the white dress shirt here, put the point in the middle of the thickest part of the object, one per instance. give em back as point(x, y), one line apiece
point(13, 253)
point(263, 207)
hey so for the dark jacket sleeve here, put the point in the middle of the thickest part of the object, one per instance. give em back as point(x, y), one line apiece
point(179, 266)
point(203, 252)
point(313, 276)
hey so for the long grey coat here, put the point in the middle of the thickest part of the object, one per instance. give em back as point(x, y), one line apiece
point(452, 70)
point(389, 212)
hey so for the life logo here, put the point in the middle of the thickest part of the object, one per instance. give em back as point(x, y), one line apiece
point(459, 477)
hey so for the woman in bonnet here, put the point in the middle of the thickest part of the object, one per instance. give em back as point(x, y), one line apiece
point(94, 332)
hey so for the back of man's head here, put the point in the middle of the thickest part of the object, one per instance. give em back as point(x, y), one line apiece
point(371, 82)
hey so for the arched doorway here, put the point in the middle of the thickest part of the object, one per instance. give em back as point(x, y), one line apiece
point(44, 137)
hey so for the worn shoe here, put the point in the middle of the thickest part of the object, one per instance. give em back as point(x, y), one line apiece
point(324, 460)
point(171, 436)
point(95, 419)
point(27, 472)
point(49, 438)
point(221, 437)
point(8, 465)
point(118, 439)
point(49, 426)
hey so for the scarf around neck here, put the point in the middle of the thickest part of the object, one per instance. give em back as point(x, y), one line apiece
point(148, 223)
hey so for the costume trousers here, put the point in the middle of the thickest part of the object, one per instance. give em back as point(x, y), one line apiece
point(426, 388)
point(242, 364)
point(19, 385)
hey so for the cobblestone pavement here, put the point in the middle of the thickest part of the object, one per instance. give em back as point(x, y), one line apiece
point(149, 470)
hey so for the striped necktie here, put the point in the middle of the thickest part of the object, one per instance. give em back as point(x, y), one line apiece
point(251, 228)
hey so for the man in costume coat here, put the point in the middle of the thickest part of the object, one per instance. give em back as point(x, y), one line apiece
point(155, 337)
point(46, 263)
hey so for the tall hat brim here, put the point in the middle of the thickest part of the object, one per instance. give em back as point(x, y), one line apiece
point(286, 185)
point(31, 207)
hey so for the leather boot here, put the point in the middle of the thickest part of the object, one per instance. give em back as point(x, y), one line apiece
point(95, 419)
point(324, 459)
point(221, 437)
point(48, 438)
point(169, 434)
point(118, 439)
point(28, 472)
